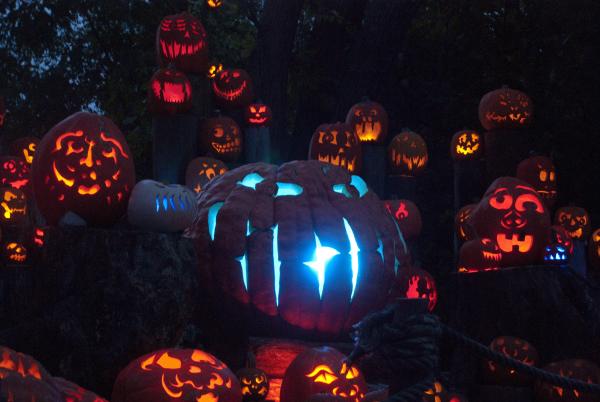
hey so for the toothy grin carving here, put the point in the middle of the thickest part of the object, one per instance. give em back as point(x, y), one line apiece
point(229, 94)
point(519, 241)
point(176, 49)
point(233, 146)
point(339, 160)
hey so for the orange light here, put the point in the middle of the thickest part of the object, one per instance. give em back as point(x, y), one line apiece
point(61, 178)
point(168, 362)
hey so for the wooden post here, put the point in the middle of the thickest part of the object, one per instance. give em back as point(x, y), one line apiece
point(174, 144)
point(257, 144)
point(374, 167)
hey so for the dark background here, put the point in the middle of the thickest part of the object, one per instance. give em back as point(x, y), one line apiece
point(427, 61)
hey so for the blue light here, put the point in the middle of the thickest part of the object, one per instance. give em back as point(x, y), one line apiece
point(320, 260)
point(555, 253)
point(276, 263)
point(173, 202)
point(249, 228)
point(360, 185)
point(165, 203)
point(181, 202)
point(213, 211)
point(157, 203)
point(342, 189)
point(284, 189)
point(354, 250)
point(244, 265)
point(380, 248)
point(251, 180)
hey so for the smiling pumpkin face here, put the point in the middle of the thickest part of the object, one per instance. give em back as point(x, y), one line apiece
point(407, 154)
point(220, 137)
point(505, 108)
point(466, 144)
point(258, 114)
point(575, 220)
point(513, 215)
point(233, 88)
point(479, 255)
point(14, 172)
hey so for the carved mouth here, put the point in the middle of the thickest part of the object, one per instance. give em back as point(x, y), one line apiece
point(17, 258)
point(229, 94)
point(170, 92)
point(258, 120)
point(19, 183)
point(411, 162)
point(576, 234)
point(339, 160)
point(232, 146)
point(492, 256)
point(467, 150)
point(547, 194)
point(368, 130)
point(515, 242)
point(175, 49)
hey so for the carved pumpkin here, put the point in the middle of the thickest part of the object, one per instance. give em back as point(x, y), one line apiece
point(513, 215)
point(233, 87)
point(74, 393)
point(169, 92)
point(505, 108)
point(575, 220)
point(214, 69)
point(369, 121)
point(559, 235)
point(466, 145)
point(181, 40)
point(83, 165)
point(25, 148)
point(257, 114)
point(594, 250)
point(23, 379)
point(407, 154)
point(576, 368)
point(220, 136)
point(407, 215)
point(322, 371)
point(214, 3)
point(14, 172)
point(556, 254)
point(15, 253)
point(463, 230)
point(13, 206)
point(516, 348)
point(304, 242)
point(254, 383)
point(479, 255)
point(201, 170)
point(539, 171)
point(155, 206)
point(170, 375)
point(336, 144)
point(436, 393)
point(416, 283)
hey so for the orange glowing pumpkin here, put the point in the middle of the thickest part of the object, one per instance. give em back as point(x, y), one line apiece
point(169, 92)
point(416, 283)
point(515, 348)
point(24, 147)
point(479, 255)
point(369, 121)
point(461, 222)
point(505, 108)
point(575, 220)
point(13, 206)
point(407, 154)
point(466, 145)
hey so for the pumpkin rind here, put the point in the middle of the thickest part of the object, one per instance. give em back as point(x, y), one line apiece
point(505, 108)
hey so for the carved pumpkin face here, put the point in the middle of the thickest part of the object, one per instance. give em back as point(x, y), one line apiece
point(220, 136)
point(322, 371)
point(575, 220)
point(479, 255)
point(463, 230)
point(181, 40)
point(407, 215)
point(416, 283)
point(539, 171)
point(559, 235)
point(338, 145)
point(233, 88)
point(15, 253)
point(14, 172)
point(258, 114)
point(407, 154)
point(25, 148)
point(513, 215)
point(213, 70)
point(169, 92)
point(202, 170)
point(83, 165)
point(516, 348)
point(369, 120)
point(556, 254)
point(214, 3)
point(594, 250)
point(13, 206)
point(254, 383)
point(576, 368)
point(176, 374)
point(466, 144)
point(436, 393)
point(505, 108)
point(155, 206)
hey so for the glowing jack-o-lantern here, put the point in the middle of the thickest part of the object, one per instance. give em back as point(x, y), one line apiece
point(479, 255)
point(254, 383)
point(155, 206)
point(322, 371)
point(461, 222)
point(13, 206)
point(201, 170)
point(594, 250)
point(181, 40)
point(512, 214)
point(233, 87)
point(14, 172)
point(15, 253)
point(579, 369)
point(407, 215)
point(416, 283)
point(338, 145)
point(169, 92)
point(25, 148)
point(258, 114)
point(170, 375)
point(306, 243)
point(407, 154)
point(515, 348)
point(369, 120)
point(220, 136)
point(575, 220)
point(539, 171)
point(556, 254)
point(435, 393)
point(505, 108)
point(214, 3)
point(213, 70)
point(83, 165)
point(466, 145)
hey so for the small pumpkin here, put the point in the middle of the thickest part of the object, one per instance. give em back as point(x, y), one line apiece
point(435, 393)
point(15, 253)
point(258, 114)
point(407, 154)
point(254, 383)
point(25, 148)
point(515, 348)
point(505, 108)
point(407, 215)
point(220, 136)
point(201, 170)
point(369, 120)
point(539, 171)
point(232, 88)
point(575, 220)
point(338, 145)
point(559, 235)
point(13, 206)
point(14, 172)
point(416, 283)
point(466, 145)
point(169, 92)
point(479, 255)
point(579, 369)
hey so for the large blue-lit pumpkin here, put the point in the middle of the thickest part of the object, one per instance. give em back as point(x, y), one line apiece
point(306, 245)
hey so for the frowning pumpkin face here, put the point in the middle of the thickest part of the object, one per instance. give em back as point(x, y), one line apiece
point(575, 220)
point(177, 374)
